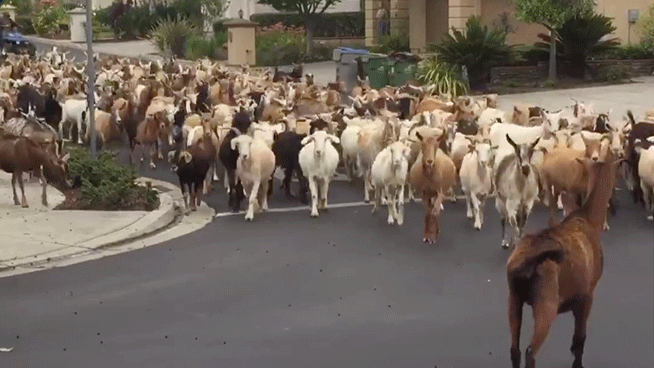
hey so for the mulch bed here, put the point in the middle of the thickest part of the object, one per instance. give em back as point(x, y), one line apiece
point(74, 201)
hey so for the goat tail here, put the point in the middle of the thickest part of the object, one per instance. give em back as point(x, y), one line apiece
point(522, 264)
point(630, 115)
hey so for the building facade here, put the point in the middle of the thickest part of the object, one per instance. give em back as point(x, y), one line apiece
point(427, 20)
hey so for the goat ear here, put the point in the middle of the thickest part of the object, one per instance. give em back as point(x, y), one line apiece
point(471, 147)
point(533, 145)
point(419, 136)
point(306, 140)
point(333, 138)
point(66, 157)
point(186, 156)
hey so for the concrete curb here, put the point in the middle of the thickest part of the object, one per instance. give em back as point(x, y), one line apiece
point(152, 223)
point(68, 46)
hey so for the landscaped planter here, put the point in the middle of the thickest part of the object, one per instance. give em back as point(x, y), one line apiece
point(534, 74)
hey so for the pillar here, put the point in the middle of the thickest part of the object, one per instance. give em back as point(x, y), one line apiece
point(460, 11)
point(417, 25)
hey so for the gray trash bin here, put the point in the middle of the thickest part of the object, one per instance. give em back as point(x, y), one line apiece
point(346, 65)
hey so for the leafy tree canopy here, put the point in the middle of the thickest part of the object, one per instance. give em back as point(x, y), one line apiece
point(551, 13)
point(305, 7)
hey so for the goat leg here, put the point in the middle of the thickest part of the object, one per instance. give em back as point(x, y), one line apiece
point(515, 322)
point(581, 314)
point(400, 205)
point(44, 184)
point(14, 178)
point(22, 190)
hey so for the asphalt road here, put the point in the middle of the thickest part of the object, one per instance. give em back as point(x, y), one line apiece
point(344, 290)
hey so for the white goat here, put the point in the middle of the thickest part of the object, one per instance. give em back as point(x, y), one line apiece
point(389, 176)
point(255, 167)
point(477, 179)
point(318, 160)
point(646, 172)
point(516, 185)
point(75, 112)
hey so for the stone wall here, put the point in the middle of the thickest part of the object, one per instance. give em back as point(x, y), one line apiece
point(533, 74)
point(635, 67)
point(518, 74)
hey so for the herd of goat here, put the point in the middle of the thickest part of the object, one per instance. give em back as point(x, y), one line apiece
point(400, 140)
point(239, 126)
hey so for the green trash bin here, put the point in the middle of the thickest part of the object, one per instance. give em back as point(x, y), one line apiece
point(376, 66)
point(400, 72)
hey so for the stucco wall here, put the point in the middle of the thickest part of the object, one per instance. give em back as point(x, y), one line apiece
point(617, 9)
point(523, 34)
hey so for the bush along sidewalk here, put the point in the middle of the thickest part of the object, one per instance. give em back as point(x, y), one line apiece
point(106, 185)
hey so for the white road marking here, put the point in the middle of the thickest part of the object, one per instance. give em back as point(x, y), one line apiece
point(307, 208)
point(299, 208)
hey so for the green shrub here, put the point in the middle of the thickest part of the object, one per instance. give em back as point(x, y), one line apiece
point(442, 78)
point(106, 184)
point(170, 35)
point(613, 73)
point(284, 48)
point(50, 19)
point(478, 48)
point(627, 52)
point(579, 38)
point(350, 24)
point(396, 42)
point(25, 24)
point(198, 47)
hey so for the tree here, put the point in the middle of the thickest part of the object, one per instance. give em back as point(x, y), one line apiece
point(310, 10)
point(551, 14)
point(646, 27)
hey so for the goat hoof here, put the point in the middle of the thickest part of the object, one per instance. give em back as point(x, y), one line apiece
point(314, 214)
point(470, 216)
point(650, 218)
point(505, 244)
point(25, 206)
point(249, 217)
point(478, 227)
point(391, 221)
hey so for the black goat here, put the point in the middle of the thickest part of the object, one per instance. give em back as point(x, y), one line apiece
point(191, 166)
point(287, 148)
point(44, 106)
point(228, 157)
point(602, 124)
point(202, 103)
point(318, 124)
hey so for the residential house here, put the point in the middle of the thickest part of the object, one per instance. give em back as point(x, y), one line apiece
point(427, 20)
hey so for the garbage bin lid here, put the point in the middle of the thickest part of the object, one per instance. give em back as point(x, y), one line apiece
point(348, 50)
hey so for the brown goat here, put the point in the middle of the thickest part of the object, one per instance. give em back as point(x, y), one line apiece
point(151, 129)
point(557, 269)
point(21, 154)
point(433, 176)
point(563, 173)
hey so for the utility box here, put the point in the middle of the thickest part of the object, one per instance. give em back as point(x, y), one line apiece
point(9, 9)
point(241, 42)
point(633, 15)
point(77, 25)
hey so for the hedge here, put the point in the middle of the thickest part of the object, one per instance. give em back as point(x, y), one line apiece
point(351, 24)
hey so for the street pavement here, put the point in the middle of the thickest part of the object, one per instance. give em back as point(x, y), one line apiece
point(343, 290)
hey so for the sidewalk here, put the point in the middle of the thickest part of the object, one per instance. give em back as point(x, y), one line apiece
point(36, 236)
point(324, 72)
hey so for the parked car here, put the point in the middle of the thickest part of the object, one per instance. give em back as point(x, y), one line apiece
point(17, 43)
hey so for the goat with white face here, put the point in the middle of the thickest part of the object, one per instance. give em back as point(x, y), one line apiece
point(318, 160)
point(516, 185)
point(477, 179)
point(389, 176)
point(255, 167)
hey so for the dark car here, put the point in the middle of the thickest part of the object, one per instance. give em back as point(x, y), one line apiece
point(16, 43)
